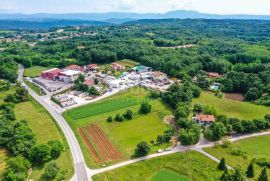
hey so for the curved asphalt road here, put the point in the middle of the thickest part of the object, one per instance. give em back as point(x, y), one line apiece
point(78, 159)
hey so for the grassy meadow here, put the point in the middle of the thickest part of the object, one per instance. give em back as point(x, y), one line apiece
point(256, 147)
point(34, 71)
point(127, 62)
point(124, 135)
point(45, 130)
point(186, 166)
point(232, 108)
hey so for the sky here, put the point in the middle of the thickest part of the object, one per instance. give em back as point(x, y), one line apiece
point(259, 7)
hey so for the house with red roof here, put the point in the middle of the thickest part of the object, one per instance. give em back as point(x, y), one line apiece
point(75, 68)
point(214, 75)
point(51, 74)
point(204, 120)
point(89, 82)
point(92, 67)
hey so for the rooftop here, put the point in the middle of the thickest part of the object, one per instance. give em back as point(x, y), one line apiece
point(70, 72)
point(203, 117)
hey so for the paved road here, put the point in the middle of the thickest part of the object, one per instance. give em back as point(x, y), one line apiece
point(199, 147)
point(81, 173)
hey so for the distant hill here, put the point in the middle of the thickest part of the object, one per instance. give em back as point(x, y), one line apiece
point(119, 17)
point(46, 23)
point(44, 20)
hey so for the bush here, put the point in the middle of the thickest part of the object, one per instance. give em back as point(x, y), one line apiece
point(56, 148)
point(145, 108)
point(41, 154)
point(142, 149)
point(109, 119)
point(128, 115)
point(51, 170)
point(17, 168)
point(215, 131)
point(190, 136)
point(119, 118)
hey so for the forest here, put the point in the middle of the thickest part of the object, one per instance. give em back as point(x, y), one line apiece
point(232, 48)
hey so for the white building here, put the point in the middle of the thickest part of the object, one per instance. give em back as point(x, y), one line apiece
point(115, 83)
point(69, 75)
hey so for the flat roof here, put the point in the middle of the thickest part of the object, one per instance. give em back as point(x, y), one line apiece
point(52, 70)
point(70, 72)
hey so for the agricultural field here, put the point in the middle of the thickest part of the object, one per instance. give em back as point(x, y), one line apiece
point(176, 167)
point(39, 118)
point(124, 136)
point(232, 108)
point(34, 71)
point(256, 147)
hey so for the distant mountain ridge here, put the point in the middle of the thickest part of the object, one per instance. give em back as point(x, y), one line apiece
point(120, 17)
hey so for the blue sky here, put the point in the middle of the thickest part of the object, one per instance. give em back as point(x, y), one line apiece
point(141, 6)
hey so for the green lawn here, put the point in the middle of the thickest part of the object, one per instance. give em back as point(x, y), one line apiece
point(34, 71)
point(44, 128)
point(232, 108)
point(34, 87)
point(256, 147)
point(125, 135)
point(179, 166)
point(166, 175)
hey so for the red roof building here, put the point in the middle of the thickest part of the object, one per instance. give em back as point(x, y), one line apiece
point(92, 66)
point(89, 82)
point(214, 75)
point(204, 120)
point(50, 74)
point(75, 67)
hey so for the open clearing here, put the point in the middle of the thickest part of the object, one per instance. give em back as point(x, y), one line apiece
point(101, 148)
point(166, 175)
point(45, 130)
point(191, 165)
point(34, 71)
point(124, 135)
point(234, 96)
point(127, 62)
point(232, 108)
point(256, 147)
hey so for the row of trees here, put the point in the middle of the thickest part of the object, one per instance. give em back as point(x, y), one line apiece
point(238, 174)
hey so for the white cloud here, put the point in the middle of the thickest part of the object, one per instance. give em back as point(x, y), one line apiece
point(8, 5)
point(126, 4)
point(180, 4)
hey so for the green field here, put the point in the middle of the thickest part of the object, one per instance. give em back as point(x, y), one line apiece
point(127, 62)
point(34, 71)
point(187, 166)
point(166, 175)
point(45, 129)
point(232, 108)
point(125, 135)
point(256, 147)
